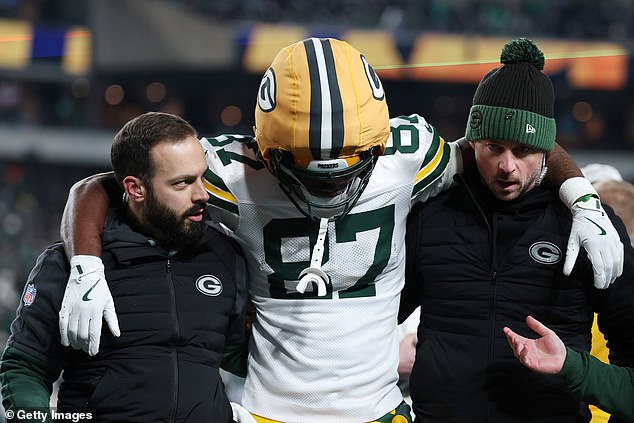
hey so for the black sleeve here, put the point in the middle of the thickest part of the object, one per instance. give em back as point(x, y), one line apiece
point(34, 356)
point(35, 329)
point(410, 295)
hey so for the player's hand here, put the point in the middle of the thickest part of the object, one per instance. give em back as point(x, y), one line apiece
point(241, 415)
point(593, 230)
point(87, 300)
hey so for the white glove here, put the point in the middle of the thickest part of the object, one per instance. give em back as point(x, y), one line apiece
point(241, 415)
point(87, 300)
point(593, 230)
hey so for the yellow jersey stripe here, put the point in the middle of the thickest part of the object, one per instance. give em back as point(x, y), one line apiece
point(217, 192)
point(431, 166)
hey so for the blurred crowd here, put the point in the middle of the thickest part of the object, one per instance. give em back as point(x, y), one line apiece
point(586, 19)
point(32, 198)
point(602, 119)
point(608, 19)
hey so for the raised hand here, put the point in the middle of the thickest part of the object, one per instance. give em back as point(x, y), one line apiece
point(545, 354)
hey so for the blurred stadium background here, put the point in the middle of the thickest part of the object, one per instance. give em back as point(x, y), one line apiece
point(73, 71)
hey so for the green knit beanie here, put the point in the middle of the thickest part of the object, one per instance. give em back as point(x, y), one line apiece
point(516, 101)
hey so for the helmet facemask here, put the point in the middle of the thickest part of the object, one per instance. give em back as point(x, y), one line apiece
point(325, 188)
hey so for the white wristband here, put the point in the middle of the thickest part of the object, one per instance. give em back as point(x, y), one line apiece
point(88, 262)
point(85, 260)
point(574, 188)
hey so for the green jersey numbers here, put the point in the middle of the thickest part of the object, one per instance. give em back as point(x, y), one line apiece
point(364, 237)
point(405, 136)
point(226, 156)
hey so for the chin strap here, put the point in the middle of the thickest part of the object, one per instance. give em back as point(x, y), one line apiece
point(314, 274)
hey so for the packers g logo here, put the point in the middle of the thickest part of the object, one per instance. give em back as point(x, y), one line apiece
point(209, 285)
point(267, 91)
point(545, 252)
point(475, 120)
point(373, 79)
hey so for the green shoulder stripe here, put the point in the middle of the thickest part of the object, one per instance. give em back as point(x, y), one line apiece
point(219, 194)
point(434, 166)
point(432, 151)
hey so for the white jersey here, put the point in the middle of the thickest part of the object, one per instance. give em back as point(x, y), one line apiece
point(331, 358)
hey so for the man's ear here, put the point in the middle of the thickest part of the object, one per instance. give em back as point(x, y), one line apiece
point(134, 188)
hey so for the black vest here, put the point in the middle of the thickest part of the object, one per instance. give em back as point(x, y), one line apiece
point(176, 312)
point(476, 265)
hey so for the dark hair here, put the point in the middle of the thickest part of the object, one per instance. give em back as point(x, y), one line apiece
point(130, 151)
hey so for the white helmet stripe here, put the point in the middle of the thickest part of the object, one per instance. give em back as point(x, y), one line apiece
point(326, 117)
point(326, 112)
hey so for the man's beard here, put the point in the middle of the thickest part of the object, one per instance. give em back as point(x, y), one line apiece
point(176, 231)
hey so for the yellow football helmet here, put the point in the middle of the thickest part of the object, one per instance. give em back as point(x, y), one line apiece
point(321, 121)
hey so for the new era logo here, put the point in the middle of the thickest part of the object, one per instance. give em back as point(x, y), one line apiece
point(530, 129)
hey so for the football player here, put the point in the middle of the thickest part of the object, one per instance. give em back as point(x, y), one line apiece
point(318, 200)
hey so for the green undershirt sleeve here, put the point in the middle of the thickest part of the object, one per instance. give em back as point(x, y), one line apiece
point(26, 383)
point(609, 387)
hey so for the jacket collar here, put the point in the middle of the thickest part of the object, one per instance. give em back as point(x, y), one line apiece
point(123, 235)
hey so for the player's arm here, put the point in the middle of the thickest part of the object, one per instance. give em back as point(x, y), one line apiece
point(560, 168)
point(438, 161)
point(82, 224)
point(592, 229)
point(85, 214)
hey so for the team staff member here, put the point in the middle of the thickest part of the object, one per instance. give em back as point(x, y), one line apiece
point(179, 287)
point(611, 388)
point(318, 200)
point(488, 252)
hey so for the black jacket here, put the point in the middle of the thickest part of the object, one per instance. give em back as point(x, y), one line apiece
point(176, 311)
point(476, 264)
